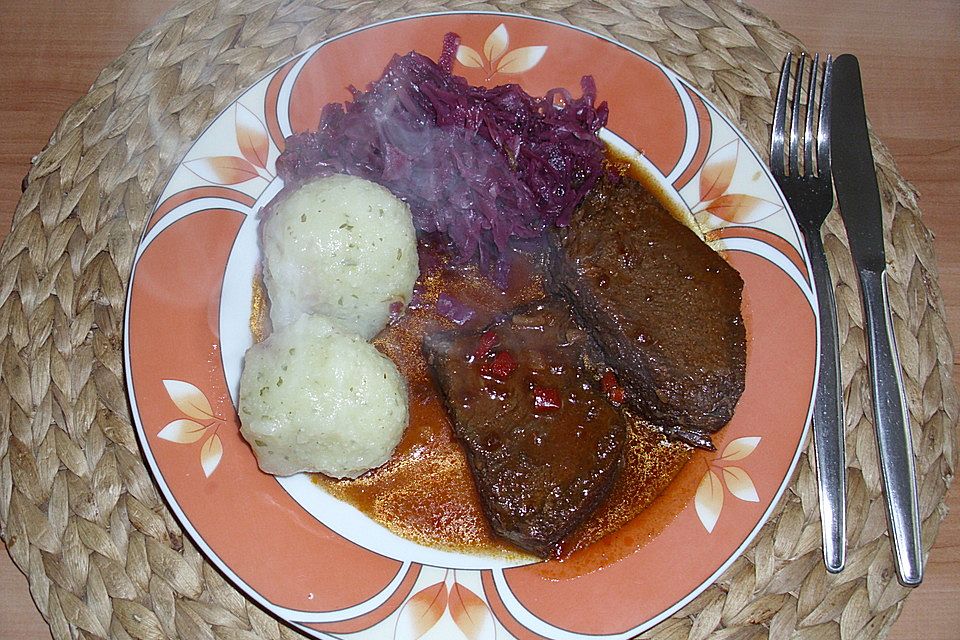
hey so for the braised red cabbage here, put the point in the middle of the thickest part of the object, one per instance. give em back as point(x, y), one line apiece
point(479, 166)
point(453, 309)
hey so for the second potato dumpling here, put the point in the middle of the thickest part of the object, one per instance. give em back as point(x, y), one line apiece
point(342, 247)
point(316, 399)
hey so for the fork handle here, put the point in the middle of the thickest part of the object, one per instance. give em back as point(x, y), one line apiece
point(828, 434)
point(892, 425)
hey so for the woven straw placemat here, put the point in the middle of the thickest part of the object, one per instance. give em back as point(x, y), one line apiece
point(78, 509)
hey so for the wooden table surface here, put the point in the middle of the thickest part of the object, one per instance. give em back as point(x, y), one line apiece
point(909, 50)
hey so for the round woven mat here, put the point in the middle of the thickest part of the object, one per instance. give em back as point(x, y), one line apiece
point(78, 509)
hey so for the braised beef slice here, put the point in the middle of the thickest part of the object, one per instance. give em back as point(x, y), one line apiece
point(541, 440)
point(663, 306)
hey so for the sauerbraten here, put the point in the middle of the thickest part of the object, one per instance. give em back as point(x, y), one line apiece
point(543, 443)
point(664, 307)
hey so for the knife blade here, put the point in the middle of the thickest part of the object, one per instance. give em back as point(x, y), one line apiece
point(855, 180)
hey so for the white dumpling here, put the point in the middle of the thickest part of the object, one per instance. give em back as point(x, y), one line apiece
point(343, 247)
point(314, 398)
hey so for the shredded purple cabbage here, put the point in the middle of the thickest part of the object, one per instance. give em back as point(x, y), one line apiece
point(453, 309)
point(479, 166)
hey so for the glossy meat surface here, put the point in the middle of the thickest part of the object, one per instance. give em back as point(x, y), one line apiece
point(663, 306)
point(543, 443)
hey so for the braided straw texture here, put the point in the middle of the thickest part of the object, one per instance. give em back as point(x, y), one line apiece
point(78, 509)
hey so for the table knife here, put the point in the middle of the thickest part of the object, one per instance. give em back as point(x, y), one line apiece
point(859, 198)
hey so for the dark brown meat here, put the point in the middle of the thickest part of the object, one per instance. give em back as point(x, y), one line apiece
point(542, 442)
point(663, 306)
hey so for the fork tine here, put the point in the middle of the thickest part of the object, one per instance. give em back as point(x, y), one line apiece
point(808, 135)
point(780, 119)
point(823, 127)
point(794, 158)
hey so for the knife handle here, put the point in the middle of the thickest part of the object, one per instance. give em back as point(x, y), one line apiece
point(892, 425)
point(828, 435)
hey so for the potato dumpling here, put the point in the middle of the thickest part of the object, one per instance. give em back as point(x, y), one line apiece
point(342, 247)
point(314, 398)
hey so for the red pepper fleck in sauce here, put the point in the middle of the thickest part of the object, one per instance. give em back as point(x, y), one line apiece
point(617, 395)
point(545, 399)
point(612, 388)
point(485, 344)
point(500, 367)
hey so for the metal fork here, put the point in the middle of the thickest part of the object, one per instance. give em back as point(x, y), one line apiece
point(807, 184)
